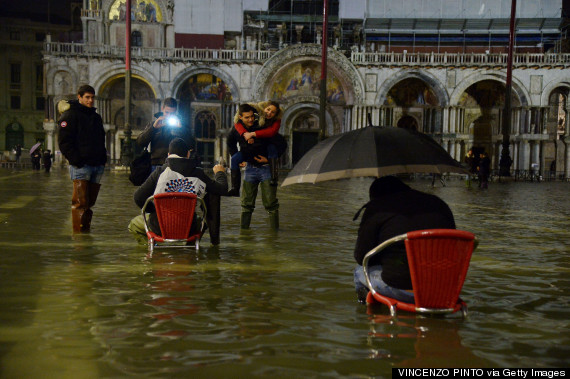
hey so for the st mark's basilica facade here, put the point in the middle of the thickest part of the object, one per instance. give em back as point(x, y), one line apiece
point(452, 89)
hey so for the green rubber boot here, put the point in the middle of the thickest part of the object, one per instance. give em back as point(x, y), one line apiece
point(245, 220)
point(274, 219)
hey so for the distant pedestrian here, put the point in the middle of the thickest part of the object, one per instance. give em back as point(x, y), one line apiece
point(18, 149)
point(484, 170)
point(36, 157)
point(46, 159)
point(471, 166)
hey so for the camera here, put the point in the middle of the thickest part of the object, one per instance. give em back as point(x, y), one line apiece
point(172, 121)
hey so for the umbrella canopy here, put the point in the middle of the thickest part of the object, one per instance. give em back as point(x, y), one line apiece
point(35, 147)
point(372, 151)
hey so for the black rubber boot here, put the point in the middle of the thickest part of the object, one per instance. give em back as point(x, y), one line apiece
point(274, 167)
point(236, 183)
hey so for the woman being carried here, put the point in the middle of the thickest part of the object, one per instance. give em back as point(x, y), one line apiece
point(265, 131)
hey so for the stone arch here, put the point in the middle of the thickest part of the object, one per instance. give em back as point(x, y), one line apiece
point(337, 63)
point(292, 112)
point(517, 86)
point(182, 76)
point(118, 70)
point(426, 77)
point(551, 86)
point(300, 140)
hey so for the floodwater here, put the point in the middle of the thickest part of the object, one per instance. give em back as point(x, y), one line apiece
point(267, 304)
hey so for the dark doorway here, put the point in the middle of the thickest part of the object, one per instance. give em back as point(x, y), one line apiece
point(303, 142)
point(408, 122)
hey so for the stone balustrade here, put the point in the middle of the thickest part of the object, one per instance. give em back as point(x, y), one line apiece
point(375, 59)
point(459, 59)
point(149, 53)
point(92, 13)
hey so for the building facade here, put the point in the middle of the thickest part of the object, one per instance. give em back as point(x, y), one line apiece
point(442, 71)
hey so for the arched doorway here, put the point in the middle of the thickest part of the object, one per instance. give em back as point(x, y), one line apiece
point(14, 135)
point(416, 105)
point(483, 103)
point(203, 100)
point(143, 107)
point(408, 122)
point(305, 133)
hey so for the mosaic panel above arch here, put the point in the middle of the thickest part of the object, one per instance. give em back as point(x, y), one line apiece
point(303, 79)
point(411, 92)
point(141, 11)
point(292, 63)
point(204, 86)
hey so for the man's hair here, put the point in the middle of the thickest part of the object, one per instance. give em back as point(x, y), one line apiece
point(245, 108)
point(179, 147)
point(86, 88)
point(170, 102)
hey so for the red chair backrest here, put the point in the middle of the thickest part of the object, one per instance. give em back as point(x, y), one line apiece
point(438, 260)
point(175, 212)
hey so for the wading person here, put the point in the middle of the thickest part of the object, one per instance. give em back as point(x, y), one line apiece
point(178, 174)
point(267, 131)
point(256, 137)
point(484, 170)
point(162, 130)
point(82, 143)
point(394, 208)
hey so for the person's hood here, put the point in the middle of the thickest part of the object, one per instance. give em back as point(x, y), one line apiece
point(386, 185)
point(184, 166)
point(75, 104)
point(380, 187)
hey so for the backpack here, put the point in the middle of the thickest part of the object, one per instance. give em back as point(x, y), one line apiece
point(141, 168)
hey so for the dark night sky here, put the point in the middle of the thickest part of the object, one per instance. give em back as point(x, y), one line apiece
point(37, 10)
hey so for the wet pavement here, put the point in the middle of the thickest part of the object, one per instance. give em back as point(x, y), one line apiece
point(266, 304)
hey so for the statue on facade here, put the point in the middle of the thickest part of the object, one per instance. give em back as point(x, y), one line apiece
point(170, 10)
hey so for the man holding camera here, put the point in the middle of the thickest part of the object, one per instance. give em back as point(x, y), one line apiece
point(162, 130)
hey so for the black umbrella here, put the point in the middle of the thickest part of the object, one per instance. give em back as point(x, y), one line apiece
point(372, 151)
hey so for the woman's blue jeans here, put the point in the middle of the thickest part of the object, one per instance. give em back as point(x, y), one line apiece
point(237, 158)
point(375, 274)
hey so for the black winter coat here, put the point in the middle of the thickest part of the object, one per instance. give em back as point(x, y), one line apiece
point(82, 136)
point(259, 147)
point(393, 214)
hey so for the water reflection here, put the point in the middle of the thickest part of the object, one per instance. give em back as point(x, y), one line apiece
point(436, 341)
point(268, 304)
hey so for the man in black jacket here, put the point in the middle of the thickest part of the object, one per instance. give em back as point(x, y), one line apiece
point(179, 168)
point(162, 130)
point(82, 142)
point(394, 208)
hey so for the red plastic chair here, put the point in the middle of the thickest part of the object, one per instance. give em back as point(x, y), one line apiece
point(175, 212)
point(438, 261)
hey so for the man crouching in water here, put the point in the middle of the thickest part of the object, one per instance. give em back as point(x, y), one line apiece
point(178, 174)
